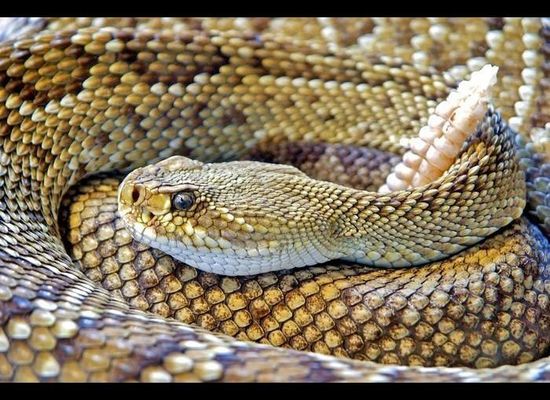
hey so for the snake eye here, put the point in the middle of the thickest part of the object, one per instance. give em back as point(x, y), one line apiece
point(183, 200)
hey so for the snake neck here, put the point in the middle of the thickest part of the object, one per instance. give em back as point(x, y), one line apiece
point(482, 192)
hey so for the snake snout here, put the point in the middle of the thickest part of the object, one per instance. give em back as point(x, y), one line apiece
point(138, 201)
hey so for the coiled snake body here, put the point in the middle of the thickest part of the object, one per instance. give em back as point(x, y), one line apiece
point(78, 102)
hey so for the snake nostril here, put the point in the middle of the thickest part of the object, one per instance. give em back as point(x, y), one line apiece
point(135, 194)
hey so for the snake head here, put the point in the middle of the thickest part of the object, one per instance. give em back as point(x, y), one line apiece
point(233, 218)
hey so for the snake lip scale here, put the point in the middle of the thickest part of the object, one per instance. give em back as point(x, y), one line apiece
point(80, 97)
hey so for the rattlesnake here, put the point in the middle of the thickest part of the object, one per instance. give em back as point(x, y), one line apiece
point(78, 102)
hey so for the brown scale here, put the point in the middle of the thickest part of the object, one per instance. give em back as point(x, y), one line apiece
point(351, 166)
point(465, 311)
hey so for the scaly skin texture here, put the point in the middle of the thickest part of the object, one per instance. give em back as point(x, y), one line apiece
point(467, 311)
point(80, 102)
point(357, 167)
